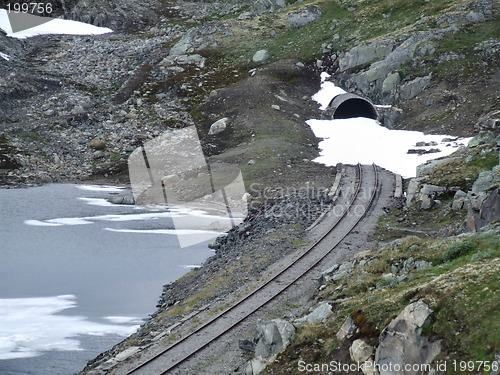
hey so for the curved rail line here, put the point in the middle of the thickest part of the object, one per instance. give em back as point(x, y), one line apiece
point(173, 365)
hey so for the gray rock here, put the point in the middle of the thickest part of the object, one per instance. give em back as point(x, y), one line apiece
point(194, 59)
point(394, 279)
point(337, 272)
point(425, 49)
point(257, 365)
point(347, 329)
point(184, 45)
point(413, 189)
point(273, 337)
point(411, 89)
point(304, 16)
point(262, 6)
point(360, 351)
point(432, 190)
point(489, 121)
point(97, 144)
point(318, 315)
point(218, 126)
point(459, 200)
point(261, 56)
point(486, 181)
point(487, 213)
point(363, 54)
point(422, 169)
point(401, 343)
point(475, 17)
point(482, 139)
point(247, 345)
point(77, 110)
point(121, 199)
point(390, 83)
point(427, 202)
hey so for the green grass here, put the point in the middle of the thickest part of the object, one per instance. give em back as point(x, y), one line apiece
point(460, 173)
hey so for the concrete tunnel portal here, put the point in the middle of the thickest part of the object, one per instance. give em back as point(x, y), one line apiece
point(350, 106)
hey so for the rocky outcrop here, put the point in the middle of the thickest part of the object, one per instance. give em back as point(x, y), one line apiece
point(423, 193)
point(271, 338)
point(401, 342)
point(337, 272)
point(263, 6)
point(360, 55)
point(304, 16)
point(487, 212)
point(319, 315)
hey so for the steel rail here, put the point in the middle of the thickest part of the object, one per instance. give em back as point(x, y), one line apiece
point(274, 278)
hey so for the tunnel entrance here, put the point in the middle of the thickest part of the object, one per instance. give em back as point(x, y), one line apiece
point(351, 105)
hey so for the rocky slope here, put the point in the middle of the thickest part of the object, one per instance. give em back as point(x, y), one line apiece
point(74, 108)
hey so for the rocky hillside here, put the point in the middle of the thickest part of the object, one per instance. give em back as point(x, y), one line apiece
point(75, 107)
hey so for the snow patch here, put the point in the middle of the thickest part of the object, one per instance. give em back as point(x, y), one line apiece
point(365, 141)
point(111, 189)
point(31, 326)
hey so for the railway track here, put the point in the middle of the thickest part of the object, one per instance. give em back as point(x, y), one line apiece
point(362, 199)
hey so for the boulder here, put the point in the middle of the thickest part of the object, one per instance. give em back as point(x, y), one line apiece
point(262, 6)
point(459, 200)
point(413, 88)
point(390, 83)
point(413, 189)
point(121, 199)
point(486, 180)
point(304, 16)
point(363, 54)
point(393, 279)
point(318, 315)
point(271, 337)
point(475, 17)
point(428, 193)
point(422, 169)
point(218, 126)
point(97, 144)
point(401, 343)
point(360, 351)
point(347, 329)
point(481, 139)
point(337, 272)
point(487, 213)
point(184, 45)
point(261, 56)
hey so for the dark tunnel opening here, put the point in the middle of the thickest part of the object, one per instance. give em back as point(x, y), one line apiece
point(350, 106)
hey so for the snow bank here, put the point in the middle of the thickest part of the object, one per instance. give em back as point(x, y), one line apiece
point(365, 141)
point(31, 326)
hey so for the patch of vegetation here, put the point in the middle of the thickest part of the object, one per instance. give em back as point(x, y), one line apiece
point(461, 173)
point(463, 294)
point(458, 249)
